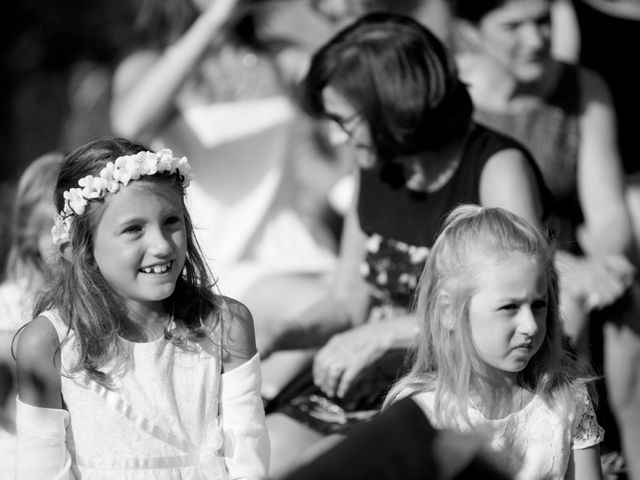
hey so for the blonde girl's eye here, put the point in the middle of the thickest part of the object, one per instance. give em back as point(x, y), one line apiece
point(540, 304)
point(509, 306)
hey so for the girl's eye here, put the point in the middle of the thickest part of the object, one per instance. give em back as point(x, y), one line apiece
point(173, 220)
point(539, 304)
point(131, 229)
point(509, 306)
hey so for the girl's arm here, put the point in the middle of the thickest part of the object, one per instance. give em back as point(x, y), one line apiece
point(508, 181)
point(40, 420)
point(246, 441)
point(146, 83)
point(345, 305)
point(584, 464)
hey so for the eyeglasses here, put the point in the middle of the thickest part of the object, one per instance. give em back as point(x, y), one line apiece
point(347, 125)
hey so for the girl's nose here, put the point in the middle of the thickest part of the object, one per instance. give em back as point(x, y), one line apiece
point(160, 243)
point(527, 323)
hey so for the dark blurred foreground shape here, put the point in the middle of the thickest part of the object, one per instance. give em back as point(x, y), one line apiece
point(400, 444)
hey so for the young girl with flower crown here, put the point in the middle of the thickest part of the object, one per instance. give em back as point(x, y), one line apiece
point(133, 367)
point(490, 357)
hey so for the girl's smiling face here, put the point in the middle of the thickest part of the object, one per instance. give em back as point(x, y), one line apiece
point(140, 243)
point(508, 311)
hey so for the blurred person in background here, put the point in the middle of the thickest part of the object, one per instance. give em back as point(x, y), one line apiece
point(26, 273)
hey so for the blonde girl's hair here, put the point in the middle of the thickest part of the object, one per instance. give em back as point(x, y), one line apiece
point(32, 216)
point(92, 308)
point(445, 360)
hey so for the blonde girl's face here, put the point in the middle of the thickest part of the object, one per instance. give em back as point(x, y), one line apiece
point(508, 311)
point(140, 243)
point(517, 37)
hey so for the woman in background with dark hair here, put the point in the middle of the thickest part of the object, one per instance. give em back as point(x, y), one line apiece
point(389, 88)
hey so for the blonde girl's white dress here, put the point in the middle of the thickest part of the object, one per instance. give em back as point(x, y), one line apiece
point(534, 443)
point(170, 414)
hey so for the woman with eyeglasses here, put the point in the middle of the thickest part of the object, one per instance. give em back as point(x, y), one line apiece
point(389, 89)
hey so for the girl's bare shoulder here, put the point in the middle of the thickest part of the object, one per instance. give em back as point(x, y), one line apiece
point(238, 337)
point(37, 355)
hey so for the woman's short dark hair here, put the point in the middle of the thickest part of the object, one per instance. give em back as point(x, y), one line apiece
point(473, 11)
point(399, 77)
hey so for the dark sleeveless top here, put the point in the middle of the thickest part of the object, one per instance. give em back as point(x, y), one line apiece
point(551, 132)
point(402, 225)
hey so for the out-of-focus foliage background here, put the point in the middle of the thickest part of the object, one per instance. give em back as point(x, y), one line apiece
point(57, 60)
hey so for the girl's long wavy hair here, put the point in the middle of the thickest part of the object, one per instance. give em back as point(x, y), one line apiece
point(445, 361)
point(86, 301)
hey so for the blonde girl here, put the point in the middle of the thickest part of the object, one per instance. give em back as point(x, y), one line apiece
point(490, 356)
point(133, 367)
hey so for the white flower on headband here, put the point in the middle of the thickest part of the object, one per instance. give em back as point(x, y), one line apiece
point(114, 174)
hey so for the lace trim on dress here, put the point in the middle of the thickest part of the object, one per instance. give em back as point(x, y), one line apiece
point(587, 432)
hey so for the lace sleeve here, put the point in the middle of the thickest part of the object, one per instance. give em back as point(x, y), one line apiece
point(586, 430)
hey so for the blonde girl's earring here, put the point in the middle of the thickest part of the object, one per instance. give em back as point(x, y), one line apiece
point(447, 317)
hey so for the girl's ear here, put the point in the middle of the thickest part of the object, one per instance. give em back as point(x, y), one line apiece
point(65, 251)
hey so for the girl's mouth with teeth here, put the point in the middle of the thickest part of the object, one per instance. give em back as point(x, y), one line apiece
point(157, 269)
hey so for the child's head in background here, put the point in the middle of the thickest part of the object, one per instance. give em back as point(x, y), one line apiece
point(32, 219)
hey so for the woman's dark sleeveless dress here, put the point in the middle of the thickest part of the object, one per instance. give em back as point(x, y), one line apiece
point(401, 226)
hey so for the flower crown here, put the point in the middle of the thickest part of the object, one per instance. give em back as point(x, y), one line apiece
point(114, 174)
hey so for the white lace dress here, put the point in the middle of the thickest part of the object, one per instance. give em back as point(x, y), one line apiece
point(162, 421)
point(535, 442)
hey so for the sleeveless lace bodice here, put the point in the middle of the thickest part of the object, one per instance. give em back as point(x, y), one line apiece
point(534, 443)
point(157, 420)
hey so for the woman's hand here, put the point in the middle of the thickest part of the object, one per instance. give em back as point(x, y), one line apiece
point(338, 363)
